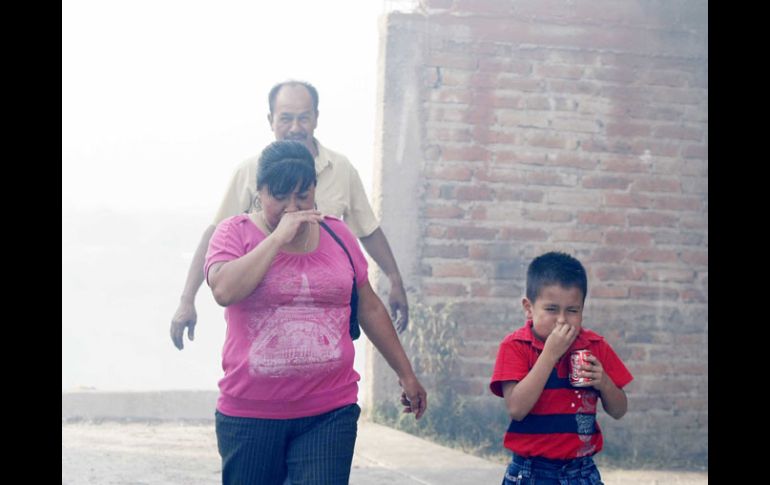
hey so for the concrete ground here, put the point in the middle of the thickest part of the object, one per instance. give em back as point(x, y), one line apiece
point(184, 452)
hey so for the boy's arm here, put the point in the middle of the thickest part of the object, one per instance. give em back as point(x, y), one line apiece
point(614, 399)
point(520, 397)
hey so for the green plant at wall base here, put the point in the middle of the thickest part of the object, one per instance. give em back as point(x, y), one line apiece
point(474, 425)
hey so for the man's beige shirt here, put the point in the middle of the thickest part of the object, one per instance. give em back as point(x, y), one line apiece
point(339, 192)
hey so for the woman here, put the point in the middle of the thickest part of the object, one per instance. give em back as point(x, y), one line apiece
point(287, 403)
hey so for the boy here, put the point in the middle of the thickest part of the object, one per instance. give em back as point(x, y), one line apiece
point(553, 432)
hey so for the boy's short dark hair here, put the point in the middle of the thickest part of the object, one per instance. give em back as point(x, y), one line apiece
point(283, 165)
point(555, 268)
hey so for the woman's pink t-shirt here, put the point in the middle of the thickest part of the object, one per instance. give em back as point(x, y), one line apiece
point(288, 351)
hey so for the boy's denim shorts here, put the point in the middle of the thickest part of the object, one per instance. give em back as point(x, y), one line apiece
point(542, 471)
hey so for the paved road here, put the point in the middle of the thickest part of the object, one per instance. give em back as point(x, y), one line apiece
point(179, 452)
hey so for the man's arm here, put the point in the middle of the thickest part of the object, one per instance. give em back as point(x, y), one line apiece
point(376, 244)
point(185, 315)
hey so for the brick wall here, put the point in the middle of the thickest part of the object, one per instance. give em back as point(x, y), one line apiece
point(510, 128)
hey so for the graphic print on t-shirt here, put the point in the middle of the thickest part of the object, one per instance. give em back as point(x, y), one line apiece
point(297, 339)
point(586, 419)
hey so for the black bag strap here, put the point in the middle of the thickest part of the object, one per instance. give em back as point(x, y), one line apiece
point(339, 241)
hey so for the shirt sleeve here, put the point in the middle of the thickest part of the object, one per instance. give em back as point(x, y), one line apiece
point(359, 215)
point(240, 193)
point(613, 366)
point(511, 364)
point(226, 244)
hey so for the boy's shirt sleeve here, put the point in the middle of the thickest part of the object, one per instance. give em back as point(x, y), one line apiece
point(613, 366)
point(512, 364)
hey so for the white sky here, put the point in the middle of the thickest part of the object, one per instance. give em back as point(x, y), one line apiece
point(162, 99)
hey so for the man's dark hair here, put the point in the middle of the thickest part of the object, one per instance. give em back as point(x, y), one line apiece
point(555, 268)
point(310, 88)
point(283, 165)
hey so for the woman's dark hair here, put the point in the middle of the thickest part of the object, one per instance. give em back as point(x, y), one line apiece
point(555, 268)
point(284, 165)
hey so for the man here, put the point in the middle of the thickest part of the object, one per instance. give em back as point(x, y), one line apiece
point(294, 116)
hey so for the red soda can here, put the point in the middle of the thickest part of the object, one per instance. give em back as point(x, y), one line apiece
point(576, 359)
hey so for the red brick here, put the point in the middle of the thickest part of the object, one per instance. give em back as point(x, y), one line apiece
point(698, 258)
point(470, 233)
point(521, 84)
point(443, 212)
point(547, 215)
point(656, 184)
point(652, 219)
point(678, 203)
point(465, 154)
point(588, 88)
point(602, 218)
point(653, 256)
point(514, 177)
point(495, 291)
point(445, 250)
point(606, 182)
point(442, 133)
point(636, 200)
point(520, 194)
point(652, 293)
point(597, 291)
point(691, 295)
point(478, 213)
point(612, 74)
point(574, 160)
point(498, 101)
point(451, 95)
point(575, 235)
point(696, 151)
point(472, 192)
point(624, 165)
point(575, 125)
point(549, 178)
point(664, 95)
point(606, 255)
point(456, 77)
point(558, 71)
point(523, 234)
point(437, 231)
point(546, 140)
point(502, 64)
point(679, 133)
point(670, 275)
point(449, 172)
point(444, 60)
point(521, 119)
point(537, 103)
point(656, 148)
point(628, 238)
point(575, 199)
point(444, 289)
point(627, 129)
point(448, 113)
point(481, 290)
point(462, 270)
point(700, 222)
point(492, 251)
point(614, 273)
point(699, 339)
